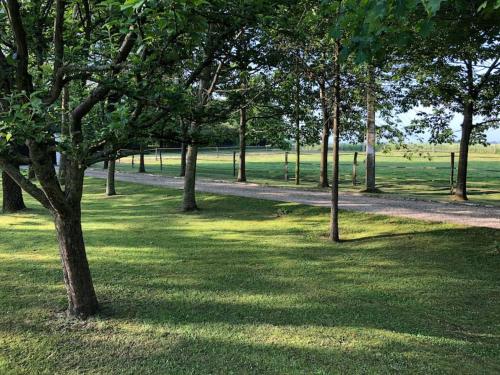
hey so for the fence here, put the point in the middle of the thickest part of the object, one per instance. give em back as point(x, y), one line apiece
point(428, 174)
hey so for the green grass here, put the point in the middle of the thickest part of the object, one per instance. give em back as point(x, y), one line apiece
point(419, 178)
point(249, 287)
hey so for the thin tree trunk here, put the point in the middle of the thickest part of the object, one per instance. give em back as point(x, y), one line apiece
point(142, 166)
point(82, 300)
point(183, 158)
point(297, 129)
point(242, 176)
point(105, 164)
point(12, 195)
point(370, 133)
point(110, 181)
point(64, 134)
point(323, 174)
point(189, 198)
point(334, 216)
point(461, 190)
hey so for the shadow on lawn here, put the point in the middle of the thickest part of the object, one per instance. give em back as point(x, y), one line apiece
point(161, 271)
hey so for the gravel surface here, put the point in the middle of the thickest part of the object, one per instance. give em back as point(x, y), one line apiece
point(458, 213)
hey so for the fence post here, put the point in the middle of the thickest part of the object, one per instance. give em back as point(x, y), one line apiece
point(354, 169)
point(132, 161)
point(217, 148)
point(234, 163)
point(452, 172)
point(156, 153)
point(161, 162)
point(286, 165)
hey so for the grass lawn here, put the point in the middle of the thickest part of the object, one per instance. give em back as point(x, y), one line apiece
point(251, 287)
point(418, 177)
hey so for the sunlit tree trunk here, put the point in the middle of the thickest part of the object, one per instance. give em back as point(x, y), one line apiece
point(189, 198)
point(325, 135)
point(334, 215)
point(142, 166)
point(370, 133)
point(242, 176)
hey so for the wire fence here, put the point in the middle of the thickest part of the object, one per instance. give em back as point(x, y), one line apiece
point(432, 172)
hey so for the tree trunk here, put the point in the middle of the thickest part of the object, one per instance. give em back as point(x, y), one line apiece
point(461, 190)
point(183, 158)
point(242, 176)
point(142, 166)
point(64, 134)
point(370, 133)
point(110, 182)
point(297, 129)
point(189, 198)
point(323, 174)
point(12, 195)
point(105, 164)
point(334, 215)
point(82, 300)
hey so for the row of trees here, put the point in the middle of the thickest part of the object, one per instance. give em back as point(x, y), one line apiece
point(90, 78)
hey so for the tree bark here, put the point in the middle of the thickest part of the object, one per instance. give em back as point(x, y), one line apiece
point(189, 198)
point(242, 175)
point(183, 158)
point(82, 300)
point(325, 135)
point(64, 134)
point(370, 133)
point(461, 190)
point(142, 166)
point(297, 129)
point(105, 164)
point(12, 195)
point(334, 214)
point(110, 181)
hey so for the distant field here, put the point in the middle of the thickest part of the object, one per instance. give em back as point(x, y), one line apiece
point(421, 176)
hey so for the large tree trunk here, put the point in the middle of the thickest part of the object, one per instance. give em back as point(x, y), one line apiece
point(334, 214)
point(461, 190)
point(183, 158)
point(323, 167)
point(12, 195)
point(110, 181)
point(142, 166)
point(189, 198)
point(370, 133)
point(242, 175)
point(82, 300)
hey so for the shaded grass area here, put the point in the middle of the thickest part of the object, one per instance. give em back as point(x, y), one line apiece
point(418, 177)
point(249, 286)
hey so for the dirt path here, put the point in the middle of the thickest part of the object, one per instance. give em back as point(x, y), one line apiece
point(433, 211)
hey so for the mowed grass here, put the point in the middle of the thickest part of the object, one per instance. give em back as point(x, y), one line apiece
point(419, 177)
point(249, 287)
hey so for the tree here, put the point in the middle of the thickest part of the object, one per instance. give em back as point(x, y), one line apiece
point(95, 50)
point(458, 69)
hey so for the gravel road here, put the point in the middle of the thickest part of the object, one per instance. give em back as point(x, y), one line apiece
point(458, 213)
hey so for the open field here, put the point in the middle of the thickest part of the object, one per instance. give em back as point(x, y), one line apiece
point(418, 177)
point(249, 286)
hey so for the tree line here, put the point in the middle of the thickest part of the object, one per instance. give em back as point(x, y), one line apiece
point(89, 78)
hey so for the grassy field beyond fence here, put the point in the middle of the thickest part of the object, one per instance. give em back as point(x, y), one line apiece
point(425, 175)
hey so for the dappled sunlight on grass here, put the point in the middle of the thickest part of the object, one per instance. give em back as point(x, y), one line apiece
point(249, 286)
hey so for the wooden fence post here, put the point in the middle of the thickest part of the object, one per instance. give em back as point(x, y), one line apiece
point(234, 163)
point(452, 172)
point(354, 169)
point(286, 165)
